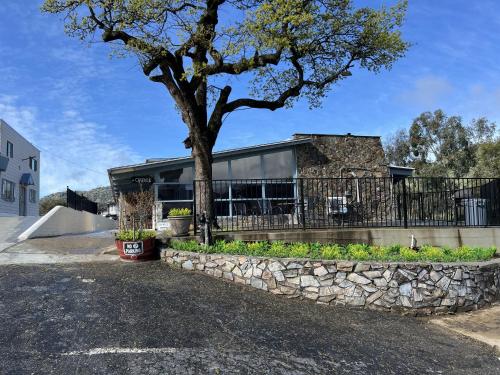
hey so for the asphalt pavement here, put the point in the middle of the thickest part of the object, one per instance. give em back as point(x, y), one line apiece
point(122, 318)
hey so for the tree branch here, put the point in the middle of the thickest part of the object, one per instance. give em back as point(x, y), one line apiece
point(258, 61)
point(215, 122)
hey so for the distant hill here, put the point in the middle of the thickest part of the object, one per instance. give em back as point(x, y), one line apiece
point(101, 195)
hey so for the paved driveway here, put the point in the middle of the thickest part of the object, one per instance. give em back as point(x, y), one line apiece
point(119, 318)
point(92, 247)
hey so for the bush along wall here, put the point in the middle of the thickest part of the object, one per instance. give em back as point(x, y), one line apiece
point(410, 288)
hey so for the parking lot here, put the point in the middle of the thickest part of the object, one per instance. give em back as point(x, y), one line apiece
point(116, 318)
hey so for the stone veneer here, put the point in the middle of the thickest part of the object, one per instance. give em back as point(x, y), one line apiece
point(412, 288)
point(327, 155)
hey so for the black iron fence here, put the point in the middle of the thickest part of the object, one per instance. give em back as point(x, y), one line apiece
point(79, 202)
point(315, 203)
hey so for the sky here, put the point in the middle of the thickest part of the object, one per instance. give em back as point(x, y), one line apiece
point(88, 112)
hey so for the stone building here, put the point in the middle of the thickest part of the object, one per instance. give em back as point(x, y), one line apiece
point(264, 179)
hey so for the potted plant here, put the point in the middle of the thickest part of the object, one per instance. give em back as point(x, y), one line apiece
point(180, 220)
point(133, 241)
point(137, 245)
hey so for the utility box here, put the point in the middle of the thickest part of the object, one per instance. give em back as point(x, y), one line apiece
point(476, 212)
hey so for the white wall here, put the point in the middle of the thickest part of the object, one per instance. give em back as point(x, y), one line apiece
point(62, 220)
point(17, 166)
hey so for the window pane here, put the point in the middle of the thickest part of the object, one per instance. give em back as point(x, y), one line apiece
point(220, 171)
point(221, 189)
point(246, 168)
point(175, 192)
point(221, 208)
point(183, 175)
point(279, 189)
point(249, 190)
point(279, 164)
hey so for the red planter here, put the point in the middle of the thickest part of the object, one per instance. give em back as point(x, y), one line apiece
point(138, 250)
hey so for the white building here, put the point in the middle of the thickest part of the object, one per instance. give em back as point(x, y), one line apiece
point(19, 174)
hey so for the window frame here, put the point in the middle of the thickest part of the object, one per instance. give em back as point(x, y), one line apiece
point(32, 195)
point(33, 164)
point(262, 181)
point(10, 150)
point(12, 196)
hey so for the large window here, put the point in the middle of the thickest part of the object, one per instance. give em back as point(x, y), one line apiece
point(8, 190)
point(246, 168)
point(279, 165)
point(220, 170)
point(257, 184)
point(181, 175)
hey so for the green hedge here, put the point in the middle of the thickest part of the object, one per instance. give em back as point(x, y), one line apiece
point(358, 252)
point(128, 235)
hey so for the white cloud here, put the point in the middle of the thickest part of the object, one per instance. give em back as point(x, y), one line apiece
point(428, 92)
point(74, 152)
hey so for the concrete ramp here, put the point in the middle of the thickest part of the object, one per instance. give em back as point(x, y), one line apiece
point(11, 228)
point(61, 221)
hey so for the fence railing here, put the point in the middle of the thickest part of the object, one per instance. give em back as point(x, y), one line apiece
point(79, 202)
point(315, 203)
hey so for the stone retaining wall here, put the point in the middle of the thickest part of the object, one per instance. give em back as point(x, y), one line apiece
point(414, 288)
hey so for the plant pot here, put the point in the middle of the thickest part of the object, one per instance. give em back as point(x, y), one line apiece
point(138, 250)
point(180, 225)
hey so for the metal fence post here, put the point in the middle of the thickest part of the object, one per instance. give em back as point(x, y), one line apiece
point(194, 207)
point(302, 208)
point(405, 206)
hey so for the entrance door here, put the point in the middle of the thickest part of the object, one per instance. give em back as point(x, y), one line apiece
point(22, 200)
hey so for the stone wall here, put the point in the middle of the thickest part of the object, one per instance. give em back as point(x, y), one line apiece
point(326, 155)
point(411, 288)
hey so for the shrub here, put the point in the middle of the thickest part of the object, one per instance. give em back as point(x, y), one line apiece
point(278, 249)
point(466, 253)
point(234, 247)
point(191, 245)
point(408, 254)
point(432, 253)
point(381, 252)
point(258, 248)
point(217, 247)
point(298, 250)
point(358, 251)
point(332, 252)
point(315, 250)
point(485, 253)
point(129, 235)
point(179, 212)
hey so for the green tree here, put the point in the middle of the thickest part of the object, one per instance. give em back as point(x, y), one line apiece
point(287, 49)
point(397, 149)
point(487, 160)
point(47, 204)
point(437, 145)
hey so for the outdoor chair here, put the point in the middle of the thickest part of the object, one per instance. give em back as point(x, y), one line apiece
point(266, 208)
point(241, 212)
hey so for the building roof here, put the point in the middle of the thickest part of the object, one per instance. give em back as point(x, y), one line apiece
point(155, 163)
point(120, 178)
point(311, 135)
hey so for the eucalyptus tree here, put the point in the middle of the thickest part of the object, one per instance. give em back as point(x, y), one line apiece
point(284, 50)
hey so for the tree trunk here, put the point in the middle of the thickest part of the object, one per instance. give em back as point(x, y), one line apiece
point(202, 156)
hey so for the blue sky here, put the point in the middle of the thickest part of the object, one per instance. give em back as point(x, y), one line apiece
point(88, 112)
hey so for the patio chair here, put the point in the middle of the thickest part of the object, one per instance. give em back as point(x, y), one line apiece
point(240, 210)
point(266, 208)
